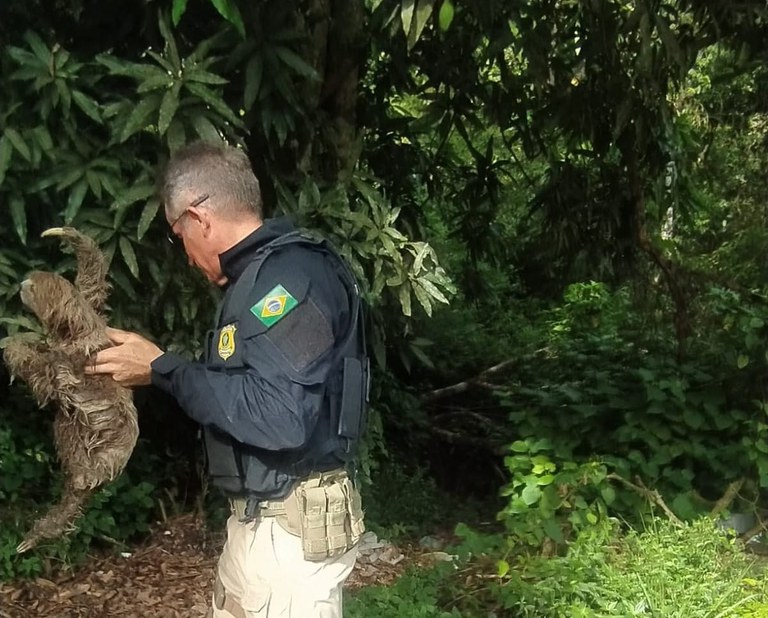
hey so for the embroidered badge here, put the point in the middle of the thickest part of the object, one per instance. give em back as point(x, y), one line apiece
point(274, 306)
point(227, 341)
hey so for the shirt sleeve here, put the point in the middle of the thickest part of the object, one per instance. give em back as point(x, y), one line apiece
point(244, 405)
point(257, 401)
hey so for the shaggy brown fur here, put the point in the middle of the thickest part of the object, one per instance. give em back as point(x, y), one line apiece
point(95, 428)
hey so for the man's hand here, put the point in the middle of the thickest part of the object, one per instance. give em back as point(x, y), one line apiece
point(129, 361)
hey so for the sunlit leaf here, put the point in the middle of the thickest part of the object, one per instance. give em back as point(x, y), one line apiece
point(177, 10)
point(404, 294)
point(229, 11)
point(445, 17)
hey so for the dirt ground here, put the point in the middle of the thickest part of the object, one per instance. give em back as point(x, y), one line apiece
point(169, 576)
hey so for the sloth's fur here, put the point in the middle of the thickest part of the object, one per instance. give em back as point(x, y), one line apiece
point(95, 427)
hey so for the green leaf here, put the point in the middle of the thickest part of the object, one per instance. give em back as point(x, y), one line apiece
point(445, 17)
point(229, 11)
point(205, 77)
point(18, 143)
point(177, 10)
point(553, 530)
point(205, 128)
point(433, 291)
point(129, 255)
point(693, 418)
point(6, 150)
point(609, 494)
point(43, 138)
point(166, 64)
point(424, 299)
point(176, 136)
point(404, 293)
point(94, 183)
point(296, 62)
point(519, 446)
point(168, 107)
point(423, 249)
point(148, 215)
point(406, 15)
point(742, 361)
point(38, 47)
point(138, 118)
point(502, 568)
point(420, 15)
point(218, 105)
point(87, 105)
point(159, 81)
point(19, 216)
point(76, 196)
point(531, 495)
point(171, 50)
point(134, 194)
point(254, 71)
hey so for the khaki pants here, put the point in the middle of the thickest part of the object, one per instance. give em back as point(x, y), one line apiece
point(262, 573)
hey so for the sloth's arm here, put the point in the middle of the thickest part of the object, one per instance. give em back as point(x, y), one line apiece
point(29, 358)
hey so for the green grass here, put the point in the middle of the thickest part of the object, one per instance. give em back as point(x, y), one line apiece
point(694, 571)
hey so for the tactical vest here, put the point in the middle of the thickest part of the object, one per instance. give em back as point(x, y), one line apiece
point(241, 469)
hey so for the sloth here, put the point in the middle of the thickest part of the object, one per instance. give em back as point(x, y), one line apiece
point(95, 426)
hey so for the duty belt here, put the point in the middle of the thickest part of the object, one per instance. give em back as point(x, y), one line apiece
point(247, 509)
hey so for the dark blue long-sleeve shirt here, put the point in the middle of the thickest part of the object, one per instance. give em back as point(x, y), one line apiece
point(268, 394)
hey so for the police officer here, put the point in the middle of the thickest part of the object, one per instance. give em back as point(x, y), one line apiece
point(280, 394)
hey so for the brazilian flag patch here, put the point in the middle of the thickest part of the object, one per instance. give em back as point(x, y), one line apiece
point(274, 306)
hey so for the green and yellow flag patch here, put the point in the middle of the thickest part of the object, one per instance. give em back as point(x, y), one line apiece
point(274, 306)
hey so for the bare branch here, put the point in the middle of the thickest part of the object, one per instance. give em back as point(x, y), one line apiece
point(649, 494)
point(479, 380)
point(725, 501)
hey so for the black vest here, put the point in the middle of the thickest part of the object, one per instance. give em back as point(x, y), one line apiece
point(241, 469)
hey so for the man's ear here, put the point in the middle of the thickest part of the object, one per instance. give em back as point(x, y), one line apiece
point(202, 217)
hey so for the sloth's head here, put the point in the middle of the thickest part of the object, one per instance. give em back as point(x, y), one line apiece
point(57, 304)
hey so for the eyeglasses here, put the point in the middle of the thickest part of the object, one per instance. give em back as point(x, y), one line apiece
point(171, 236)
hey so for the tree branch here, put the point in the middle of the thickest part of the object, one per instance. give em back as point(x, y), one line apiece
point(651, 495)
point(725, 501)
point(479, 380)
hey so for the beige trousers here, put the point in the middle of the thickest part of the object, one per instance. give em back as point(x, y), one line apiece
point(264, 575)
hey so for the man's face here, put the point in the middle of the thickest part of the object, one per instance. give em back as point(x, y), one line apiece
point(193, 226)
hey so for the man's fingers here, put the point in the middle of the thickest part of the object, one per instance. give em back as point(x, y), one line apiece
point(117, 336)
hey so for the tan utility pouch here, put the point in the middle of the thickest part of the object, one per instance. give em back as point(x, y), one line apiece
point(325, 511)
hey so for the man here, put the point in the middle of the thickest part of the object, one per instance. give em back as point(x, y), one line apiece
point(280, 393)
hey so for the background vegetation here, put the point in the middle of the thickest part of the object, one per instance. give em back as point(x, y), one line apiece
point(583, 181)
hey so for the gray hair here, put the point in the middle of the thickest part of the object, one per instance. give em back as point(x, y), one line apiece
point(217, 169)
